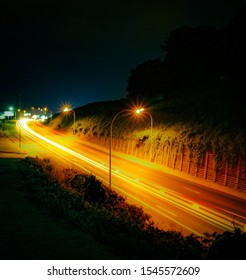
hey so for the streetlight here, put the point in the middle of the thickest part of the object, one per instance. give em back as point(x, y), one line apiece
point(110, 145)
point(12, 111)
point(139, 111)
point(66, 109)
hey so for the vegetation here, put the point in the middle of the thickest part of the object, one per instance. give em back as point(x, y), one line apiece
point(87, 203)
point(196, 98)
point(195, 95)
point(195, 124)
point(195, 57)
point(201, 87)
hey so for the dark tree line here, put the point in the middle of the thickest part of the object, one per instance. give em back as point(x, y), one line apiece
point(194, 57)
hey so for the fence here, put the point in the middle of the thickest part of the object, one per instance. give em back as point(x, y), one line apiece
point(230, 176)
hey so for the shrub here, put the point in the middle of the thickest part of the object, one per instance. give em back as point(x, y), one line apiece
point(100, 211)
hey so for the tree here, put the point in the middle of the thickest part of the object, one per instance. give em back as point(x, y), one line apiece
point(195, 57)
point(190, 56)
point(146, 81)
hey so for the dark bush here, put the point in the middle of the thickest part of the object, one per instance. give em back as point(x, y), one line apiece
point(100, 211)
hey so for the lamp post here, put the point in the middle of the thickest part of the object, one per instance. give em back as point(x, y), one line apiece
point(139, 111)
point(11, 109)
point(68, 110)
point(110, 145)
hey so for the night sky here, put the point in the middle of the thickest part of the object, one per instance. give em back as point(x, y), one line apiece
point(82, 51)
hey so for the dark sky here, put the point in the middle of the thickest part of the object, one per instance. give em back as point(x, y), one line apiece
point(82, 51)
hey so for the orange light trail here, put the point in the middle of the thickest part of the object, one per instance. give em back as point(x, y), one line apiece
point(23, 124)
point(211, 216)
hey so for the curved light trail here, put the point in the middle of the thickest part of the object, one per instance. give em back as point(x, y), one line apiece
point(161, 202)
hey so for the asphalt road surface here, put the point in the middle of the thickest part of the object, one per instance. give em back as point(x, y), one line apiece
point(173, 202)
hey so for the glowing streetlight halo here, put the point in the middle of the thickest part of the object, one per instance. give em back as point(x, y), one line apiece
point(67, 109)
point(137, 111)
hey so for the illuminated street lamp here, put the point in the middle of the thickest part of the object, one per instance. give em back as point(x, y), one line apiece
point(139, 111)
point(11, 108)
point(66, 109)
point(110, 145)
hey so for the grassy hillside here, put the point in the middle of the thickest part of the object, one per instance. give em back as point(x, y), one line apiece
point(200, 120)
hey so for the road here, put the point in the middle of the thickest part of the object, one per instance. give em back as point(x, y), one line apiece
point(173, 203)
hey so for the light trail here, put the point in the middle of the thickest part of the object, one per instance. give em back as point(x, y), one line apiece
point(206, 214)
point(31, 133)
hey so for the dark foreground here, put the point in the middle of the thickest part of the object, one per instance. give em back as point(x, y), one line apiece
point(27, 231)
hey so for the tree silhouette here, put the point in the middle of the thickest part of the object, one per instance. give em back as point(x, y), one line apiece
point(194, 58)
point(190, 56)
point(146, 80)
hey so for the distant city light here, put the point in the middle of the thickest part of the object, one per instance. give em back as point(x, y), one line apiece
point(43, 118)
point(38, 113)
point(26, 114)
point(8, 113)
point(35, 117)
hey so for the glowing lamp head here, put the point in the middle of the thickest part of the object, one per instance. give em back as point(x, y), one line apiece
point(139, 110)
point(66, 109)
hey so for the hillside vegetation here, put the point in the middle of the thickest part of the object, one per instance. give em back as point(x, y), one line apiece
point(195, 96)
point(213, 122)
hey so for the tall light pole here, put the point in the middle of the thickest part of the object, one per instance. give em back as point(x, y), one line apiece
point(139, 111)
point(11, 109)
point(110, 145)
point(68, 110)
